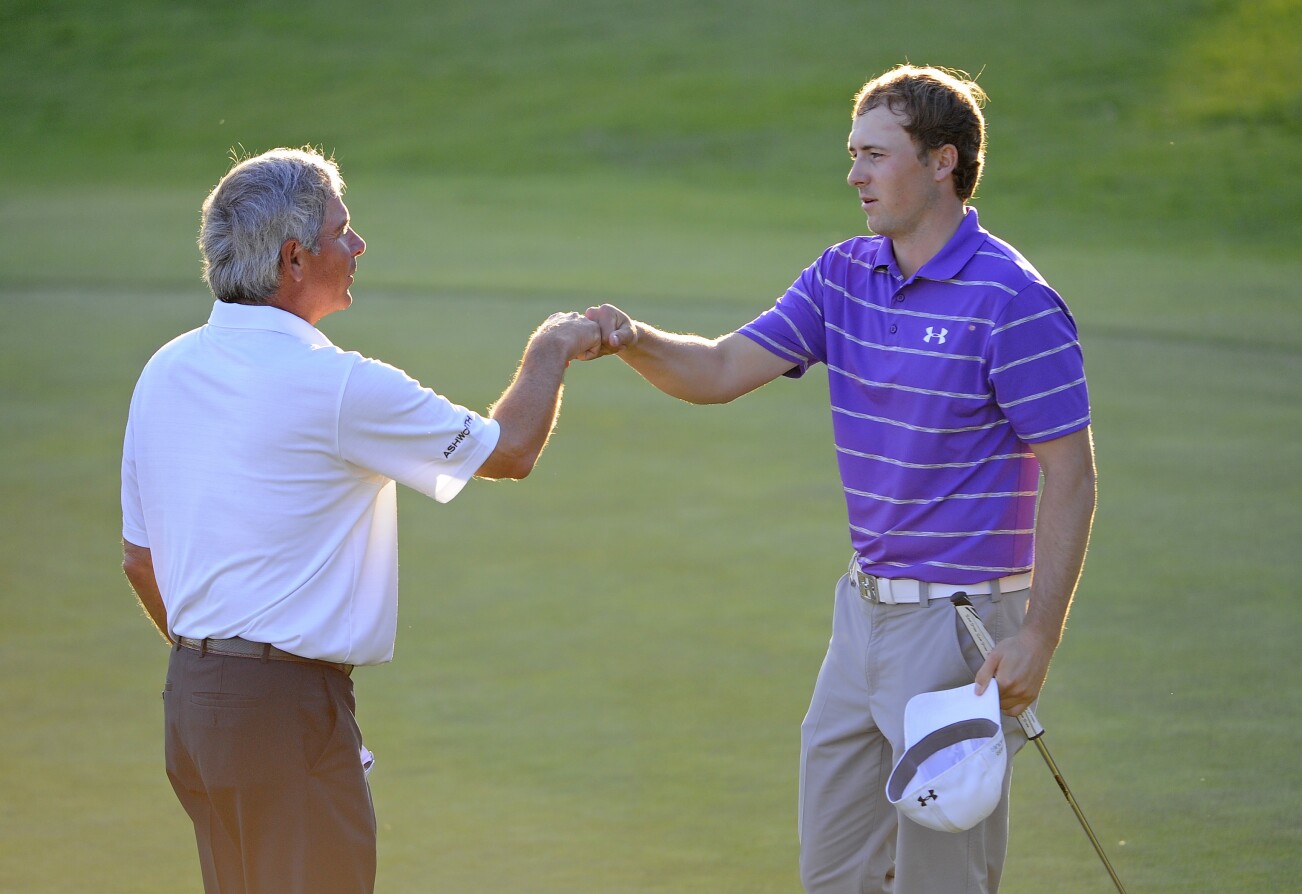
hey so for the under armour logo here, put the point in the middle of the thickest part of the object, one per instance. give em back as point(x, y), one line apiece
point(938, 336)
point(929, 796)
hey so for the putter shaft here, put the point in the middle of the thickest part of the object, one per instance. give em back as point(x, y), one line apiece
point(1034, 730)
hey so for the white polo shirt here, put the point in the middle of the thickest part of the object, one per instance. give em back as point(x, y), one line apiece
point(259, 467)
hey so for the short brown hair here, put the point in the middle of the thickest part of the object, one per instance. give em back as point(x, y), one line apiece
point(942, 107)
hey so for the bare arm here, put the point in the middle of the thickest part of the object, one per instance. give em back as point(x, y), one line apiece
point(138, 563)
point(527, 410)
point(688, 367)
point(1062, 532)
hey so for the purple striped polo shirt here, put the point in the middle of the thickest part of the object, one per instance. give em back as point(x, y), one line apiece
point(937, 384)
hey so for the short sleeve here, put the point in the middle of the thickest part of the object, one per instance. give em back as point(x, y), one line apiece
point(391, 424)
point(133, 511)
point(794, 327)
point(1037, 368)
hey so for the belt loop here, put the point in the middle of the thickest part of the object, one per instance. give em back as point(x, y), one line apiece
point(994, 590)
point(924, 593)
point(266, 651)
point(203, 647)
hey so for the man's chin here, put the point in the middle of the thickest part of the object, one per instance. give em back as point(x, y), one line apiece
point(343, 304)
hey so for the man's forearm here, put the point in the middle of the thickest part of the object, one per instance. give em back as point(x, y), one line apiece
point(138, 564)
point(1062, 532)
point(700, 370)
point(527, 412)
point(687, 367)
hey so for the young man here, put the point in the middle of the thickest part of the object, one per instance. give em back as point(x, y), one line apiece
point(956, 380)
point(260, 524)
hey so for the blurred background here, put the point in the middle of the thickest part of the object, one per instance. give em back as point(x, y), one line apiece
point(601, 671)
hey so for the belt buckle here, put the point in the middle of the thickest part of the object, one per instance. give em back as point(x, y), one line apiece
point(869, 588)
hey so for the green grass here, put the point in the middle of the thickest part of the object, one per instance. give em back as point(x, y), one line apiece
point(601, 671)
point(1154, 121)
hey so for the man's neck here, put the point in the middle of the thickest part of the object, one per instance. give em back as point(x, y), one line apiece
point(920, 246)
point(294, 301)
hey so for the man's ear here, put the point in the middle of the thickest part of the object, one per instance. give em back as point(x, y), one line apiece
point(291, 251)
point(944, 160)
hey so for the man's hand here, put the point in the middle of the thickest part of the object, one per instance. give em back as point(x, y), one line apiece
point(618, 331)
point(1021, 663)
point(576, 335)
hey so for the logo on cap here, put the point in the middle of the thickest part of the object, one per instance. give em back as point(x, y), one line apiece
point(954, 747)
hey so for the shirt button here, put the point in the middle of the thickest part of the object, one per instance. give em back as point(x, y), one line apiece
point(894, 329)
point(898, 298)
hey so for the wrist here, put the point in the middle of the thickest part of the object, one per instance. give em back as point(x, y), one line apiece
point(547, 346)
point(1046, 640)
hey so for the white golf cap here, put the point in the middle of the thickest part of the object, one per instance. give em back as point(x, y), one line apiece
point(952, 773)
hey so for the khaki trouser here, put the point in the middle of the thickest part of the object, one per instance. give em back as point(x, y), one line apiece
point(851, 838)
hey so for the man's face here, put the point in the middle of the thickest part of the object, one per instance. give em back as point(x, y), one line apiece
point(896, 190)
point(329, 272)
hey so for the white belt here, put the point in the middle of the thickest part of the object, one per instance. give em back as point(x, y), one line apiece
point(903, 591)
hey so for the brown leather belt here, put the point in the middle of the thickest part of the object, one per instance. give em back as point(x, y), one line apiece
point(243, 648)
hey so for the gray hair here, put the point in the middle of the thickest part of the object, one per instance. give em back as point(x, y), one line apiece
point(260, 203)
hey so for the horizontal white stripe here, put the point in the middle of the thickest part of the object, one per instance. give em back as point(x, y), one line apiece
point(852, 259)
point(813, 305)
point(908, 465)
point(904, 313)
point(909, 388)
point(920, 428)
point(980, 283)
point(1001, 570)
point(1039, 356)
point(1044, 313)
point(795, 330)
point(777, 348)
point(1031, 397)
point(940, 533)
point(1044, 435)
point(902, 350)
point(933, 500)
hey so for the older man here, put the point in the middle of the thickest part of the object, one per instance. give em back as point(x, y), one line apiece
point(260, 524)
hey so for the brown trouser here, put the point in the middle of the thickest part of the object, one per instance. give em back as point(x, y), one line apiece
point(264, 756)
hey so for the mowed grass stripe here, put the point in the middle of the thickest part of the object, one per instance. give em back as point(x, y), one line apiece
point(613, 656)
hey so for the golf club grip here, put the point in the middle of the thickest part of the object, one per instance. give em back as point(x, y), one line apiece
point(985, 643)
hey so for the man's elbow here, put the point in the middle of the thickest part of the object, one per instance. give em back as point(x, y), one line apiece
point(504, 463)
point(516, 470)
point(137, 561)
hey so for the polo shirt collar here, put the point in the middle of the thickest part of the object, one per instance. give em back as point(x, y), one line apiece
point(947, 262)
point(960, 248)
point(266, 318)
